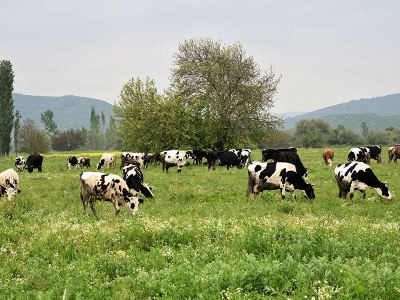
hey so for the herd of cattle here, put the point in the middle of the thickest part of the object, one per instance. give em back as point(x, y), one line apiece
point(279, 169)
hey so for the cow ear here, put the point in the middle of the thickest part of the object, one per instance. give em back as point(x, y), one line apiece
point(313, 184)
point(385, 182)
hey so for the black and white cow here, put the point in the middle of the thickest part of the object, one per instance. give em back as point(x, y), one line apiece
point(108, 187)
point(359, 154)
point(173, 158)
point(9, 183)
point(106, 160)
point(244, 155)
point(133, 177)
point(84, 161)
point(149, 159)
point(72, 162)
point(20, 163)
point(273, 176)
point(199, 154)
point(375, 153)
point(291, 156)
point(137, 157)
point(34, 161)
point(358, 176)
point(224, 158)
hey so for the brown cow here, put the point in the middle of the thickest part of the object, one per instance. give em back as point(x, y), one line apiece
point(394, 153)
point(328, 156)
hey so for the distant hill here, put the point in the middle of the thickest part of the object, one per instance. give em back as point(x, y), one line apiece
point(69, 111)
point(378, 113)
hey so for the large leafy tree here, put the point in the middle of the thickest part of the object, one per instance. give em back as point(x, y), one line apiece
point(225, 92)
point(17, 126)
point(68, 140)
point(6, 106)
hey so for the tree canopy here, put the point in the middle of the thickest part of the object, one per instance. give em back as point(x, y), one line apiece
point(225, 91)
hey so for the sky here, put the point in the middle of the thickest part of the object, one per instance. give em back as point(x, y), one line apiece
point(327, 52)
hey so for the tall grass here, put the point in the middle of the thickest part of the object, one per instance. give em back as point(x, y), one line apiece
point(198, 238)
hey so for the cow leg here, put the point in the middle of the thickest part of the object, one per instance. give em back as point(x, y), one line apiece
point(40, 168)
point(92, 202)
point(116, 206)
point(294, 196)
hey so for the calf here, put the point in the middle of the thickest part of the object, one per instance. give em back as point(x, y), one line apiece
point(133, 177)
point(224, 158)
point(358, 176)
point(34, 161)
point(106, 160)
point(173, 158)
point(328, 155)
point(20, 163)
point(9, 183)
point(72, 162)
point(84, 162)
point(273, 176)
point(359, 154)
point(108, 187)
point(375, 153)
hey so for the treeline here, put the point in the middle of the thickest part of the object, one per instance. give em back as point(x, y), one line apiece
point(30, 139)
point(316, 133)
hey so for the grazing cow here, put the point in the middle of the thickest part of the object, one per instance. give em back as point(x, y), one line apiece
point(394, 153)
point(34, 161)
point(173, 158)
point(224, 158)
point(134, 179)
point(328, 155)
point(273, 176)
point(375, 153)
point(244, 155)
point(20, 163)
point(267, 154)
point(72, 162)
point(84, 162)
point(108, 187)
point(9, 183)
point(359, 154)
point(199, 155)
point(291, 156)
point(106, 160)
point(358, 176)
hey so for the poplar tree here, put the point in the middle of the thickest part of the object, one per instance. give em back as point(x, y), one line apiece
point(6, 106)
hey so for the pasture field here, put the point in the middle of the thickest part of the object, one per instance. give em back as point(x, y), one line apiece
point(199, 239)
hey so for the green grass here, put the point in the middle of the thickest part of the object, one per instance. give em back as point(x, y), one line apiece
point(199, 239)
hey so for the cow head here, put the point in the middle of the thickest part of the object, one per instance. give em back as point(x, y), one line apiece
point(383, 191)
point(10, 189)
point(308, 192)
point(99, 164)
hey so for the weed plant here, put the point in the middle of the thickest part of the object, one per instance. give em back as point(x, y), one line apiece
point(199, 239)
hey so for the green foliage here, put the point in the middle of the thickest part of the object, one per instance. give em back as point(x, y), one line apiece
point(94, 137)
point(312, 133)
point(31, 139)
point(50, 127)
point(6, 106)
point(198, 238)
